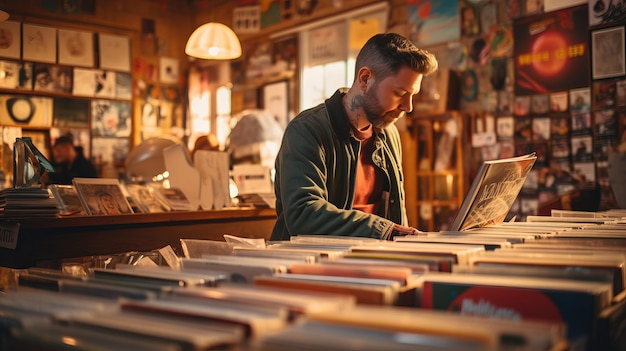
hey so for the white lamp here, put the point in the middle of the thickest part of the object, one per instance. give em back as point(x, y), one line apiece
point(213, 41)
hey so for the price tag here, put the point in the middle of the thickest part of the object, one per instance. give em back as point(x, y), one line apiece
point(8, 235)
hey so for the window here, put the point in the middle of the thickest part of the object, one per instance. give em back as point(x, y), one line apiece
point(328, 50)
point(222, 122)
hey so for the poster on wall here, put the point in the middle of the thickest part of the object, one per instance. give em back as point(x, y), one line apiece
point(433, 21)
point(285, 58)
point(123, 86)
point(168, 70)
point(52, 78)
point(323, 46)
point(114, 52)
point(270, 13)
point(247, 19)
point(606, 11)
point(25, 110)
point(551, 51)
point(39, 43)
point(608, 53)
point(70, 112)
point(76, 48)
point(275, 100)
point(10, 35)
point(110, 118)
point(17, 75)
point(92, 82)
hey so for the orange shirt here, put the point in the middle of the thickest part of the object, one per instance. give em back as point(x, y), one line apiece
point(368, 194)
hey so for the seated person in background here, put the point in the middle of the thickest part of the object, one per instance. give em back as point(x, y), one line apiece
point(70, 162)
point(339, 168)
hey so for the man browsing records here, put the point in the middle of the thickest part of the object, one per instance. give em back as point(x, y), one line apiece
point(339, 168)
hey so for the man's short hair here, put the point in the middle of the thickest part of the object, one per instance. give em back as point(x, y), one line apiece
point(64, 140)
point(386, 53)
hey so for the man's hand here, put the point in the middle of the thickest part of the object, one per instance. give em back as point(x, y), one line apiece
point(400, 230)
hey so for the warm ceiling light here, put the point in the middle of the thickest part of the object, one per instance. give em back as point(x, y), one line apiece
point(213, 41)
point(3, 16)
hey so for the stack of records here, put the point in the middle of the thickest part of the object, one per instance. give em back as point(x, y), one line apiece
point(27, 202)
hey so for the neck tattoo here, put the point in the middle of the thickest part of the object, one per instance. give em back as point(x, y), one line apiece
point(355, 106)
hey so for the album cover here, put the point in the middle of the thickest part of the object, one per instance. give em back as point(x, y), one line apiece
point(560, 125)
point(70, 113)
point(114, 52)
point(25, 110)
point(559, 101)
point(10, 39)
point(145, 198)
point(495, 187)
point(76, 48)
point(541, 129)
point(68, 199)
point(110, 118)
point(39, 43)
point(101, 196)
point(94, 83)
point(173, 198)
point(575, 303)
point(580, 100)
point(17, 75)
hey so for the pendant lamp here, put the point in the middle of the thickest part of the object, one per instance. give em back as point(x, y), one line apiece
point(213, 41)
point(3, 16)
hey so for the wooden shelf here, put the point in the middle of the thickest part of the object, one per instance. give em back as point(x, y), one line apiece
point(433, 169)
point(73, 237)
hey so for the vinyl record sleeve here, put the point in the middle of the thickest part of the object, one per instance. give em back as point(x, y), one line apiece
point(493, 191)
point(68, 199)
point(102, 196)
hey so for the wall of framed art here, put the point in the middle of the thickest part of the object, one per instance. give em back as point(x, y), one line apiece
point(548, 80)
point(545, 76)
point(63, 83)
point(90, 71)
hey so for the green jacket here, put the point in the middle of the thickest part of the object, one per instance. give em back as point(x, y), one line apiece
point(316, 173)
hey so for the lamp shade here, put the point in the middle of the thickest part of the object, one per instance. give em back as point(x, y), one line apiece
point(213, 41)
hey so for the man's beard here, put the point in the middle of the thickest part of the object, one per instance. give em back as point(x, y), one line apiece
point(374, 111)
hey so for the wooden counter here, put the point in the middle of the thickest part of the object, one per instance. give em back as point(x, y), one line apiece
point(58, 238)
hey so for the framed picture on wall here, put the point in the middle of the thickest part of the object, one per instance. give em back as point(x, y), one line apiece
point(110, 118)
point(607, 48)
point(114, 52)
point(168, 70)
point(76, 48)
point(275, 100)
point(568, 67)
point(39, 43)
point(70, 112)
point(10, 39)
point(25, 110)
point(17, 75)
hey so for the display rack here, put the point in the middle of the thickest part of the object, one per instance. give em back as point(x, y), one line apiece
point(29, 242)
